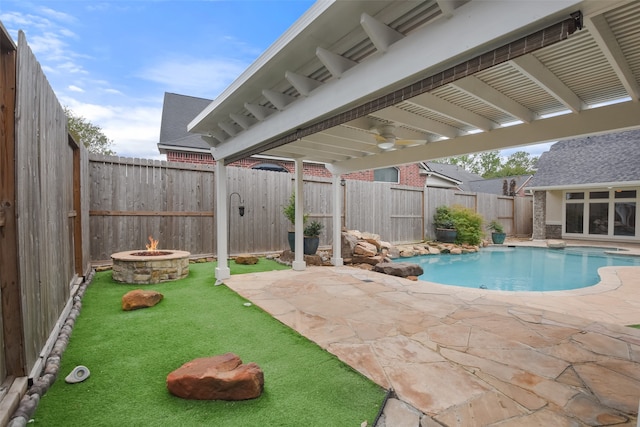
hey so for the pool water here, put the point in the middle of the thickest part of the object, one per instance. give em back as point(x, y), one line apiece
point(521, 268)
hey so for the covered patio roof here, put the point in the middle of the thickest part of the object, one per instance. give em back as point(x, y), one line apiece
point(370, 84)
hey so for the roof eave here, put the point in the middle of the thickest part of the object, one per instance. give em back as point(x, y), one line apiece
point(585, 186)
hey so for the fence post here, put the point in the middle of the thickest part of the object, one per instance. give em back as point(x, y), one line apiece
point(12, 323)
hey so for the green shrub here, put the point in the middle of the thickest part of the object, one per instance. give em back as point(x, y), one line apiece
point(313, 229)
point(468, 224)
point(496, 227)
point(443, 217)
point(289, 210)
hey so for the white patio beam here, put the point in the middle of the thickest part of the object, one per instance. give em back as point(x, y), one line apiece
point(447, 7)
point(222, 270)
point(336, 64)
point(303, 84)
point(352, 138)
point(219, 135)
point(279, 100)
point(425, 124)
point(616, 117)
point(245, 122)
point(291, 152)
point(315, 153)
point(337, 190)
point(260, 112)
point(210, 140)
point(298, 264)
point(330, 148)
point(536, 71)
point(480, 90)
point(452, 111)
point(229, 128)
point(400, 63)
point(381, 35)
point(606, 40)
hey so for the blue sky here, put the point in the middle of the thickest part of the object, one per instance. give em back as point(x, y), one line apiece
point(112, 61)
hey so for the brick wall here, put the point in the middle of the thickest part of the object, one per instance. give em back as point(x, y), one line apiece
point(409, 174)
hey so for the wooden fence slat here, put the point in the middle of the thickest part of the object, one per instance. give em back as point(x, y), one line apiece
point(182, 208)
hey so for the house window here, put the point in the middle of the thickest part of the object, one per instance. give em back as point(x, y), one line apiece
point(270, 167)
point(386, 175)
point(574, 218)
point(601, 213)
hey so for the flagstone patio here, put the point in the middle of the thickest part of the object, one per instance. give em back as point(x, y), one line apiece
point(472, 357)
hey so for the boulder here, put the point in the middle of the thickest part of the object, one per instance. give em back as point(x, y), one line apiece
point(393, 252)
point(139, 298)
point(434, 251)
point(556, 244)
point(407, 253)
point(367, 236)
point(372, 260)
point(400, 269)
point(222, 377)
point(374, 242)
point(349, 242)
point(246, 259)
point(365, 248)
point(455, 251)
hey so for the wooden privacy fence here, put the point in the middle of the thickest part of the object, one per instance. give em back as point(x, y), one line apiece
point(132, 199)
point(43, 212)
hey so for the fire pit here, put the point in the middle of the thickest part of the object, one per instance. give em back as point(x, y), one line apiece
point(150, 266)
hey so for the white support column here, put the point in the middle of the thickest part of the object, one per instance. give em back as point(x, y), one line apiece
point(298, 263)
point(222, 222)
point(337, 223)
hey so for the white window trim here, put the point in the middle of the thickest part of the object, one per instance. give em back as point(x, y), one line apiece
point(390, 167)
point(611, 200)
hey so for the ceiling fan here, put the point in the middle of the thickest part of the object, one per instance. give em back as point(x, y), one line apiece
point(387, 139)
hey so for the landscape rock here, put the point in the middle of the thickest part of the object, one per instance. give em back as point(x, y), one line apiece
point(374, 242)
point(222, 377)
point(365, 248)
point(246, 259)
point(140, 298)
point(407, 253)
point(455, 251)
point(556, 244)
point(400, 269)
point(348, 244)
point(393, 252)
point(371, 260)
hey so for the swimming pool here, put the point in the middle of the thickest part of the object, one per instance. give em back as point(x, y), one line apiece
point(521, 268)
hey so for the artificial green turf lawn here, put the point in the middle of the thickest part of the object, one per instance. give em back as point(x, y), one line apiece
point(130, 354)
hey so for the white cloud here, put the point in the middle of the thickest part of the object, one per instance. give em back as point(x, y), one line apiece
point(73, 88)
point(195, 76)
point(54, 14)
point(134, 129)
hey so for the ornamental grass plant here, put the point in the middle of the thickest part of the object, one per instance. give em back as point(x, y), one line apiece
point(130, 354)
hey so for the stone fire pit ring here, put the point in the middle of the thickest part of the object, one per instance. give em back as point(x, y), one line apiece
point(140, 267)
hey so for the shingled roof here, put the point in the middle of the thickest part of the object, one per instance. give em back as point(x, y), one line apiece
point(453, 172)
point(177, 112)
point(600, 159)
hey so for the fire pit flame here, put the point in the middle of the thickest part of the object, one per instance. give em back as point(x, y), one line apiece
point(153, 246)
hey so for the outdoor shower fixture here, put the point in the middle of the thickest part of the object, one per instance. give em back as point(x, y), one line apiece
point(240, 208)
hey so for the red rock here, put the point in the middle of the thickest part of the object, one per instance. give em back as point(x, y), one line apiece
point(139, 298)
point(222, 377)
point(246, 259)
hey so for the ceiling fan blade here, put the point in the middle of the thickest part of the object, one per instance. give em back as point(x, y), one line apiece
point(409, 141)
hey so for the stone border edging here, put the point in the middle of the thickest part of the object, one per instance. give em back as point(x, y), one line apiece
point(29, 402)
